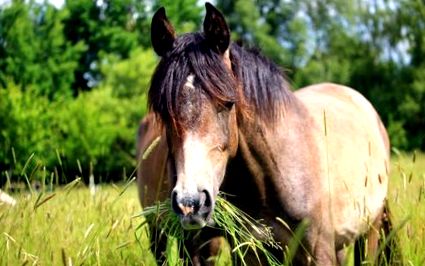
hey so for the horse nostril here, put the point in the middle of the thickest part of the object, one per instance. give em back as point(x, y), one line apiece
point(186, 205)
point(174, 203)
point(191, 204)
point(206, 199)
point(206, 205)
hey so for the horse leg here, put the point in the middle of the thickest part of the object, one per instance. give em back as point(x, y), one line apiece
point(158, 244)
point(324, 252)
point(373, 237)
point(391, 250)
point(208, 252)
point(204, 248)
point(341, 256)
point(321, 241)
point(213, 250)
point(359, 250)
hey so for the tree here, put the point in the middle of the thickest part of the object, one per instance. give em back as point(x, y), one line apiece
point(33, 48)
point(105, 27)
point(129, 78)
point(247, 25)
point(185, 15)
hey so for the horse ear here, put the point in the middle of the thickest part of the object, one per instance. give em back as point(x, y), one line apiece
point(162, 33)
point(216, 30)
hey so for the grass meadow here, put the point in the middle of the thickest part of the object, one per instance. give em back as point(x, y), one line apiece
point(407, 202)
point(73, 225)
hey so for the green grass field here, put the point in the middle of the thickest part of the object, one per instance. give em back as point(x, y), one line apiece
point(71, 226)
point(407, 202)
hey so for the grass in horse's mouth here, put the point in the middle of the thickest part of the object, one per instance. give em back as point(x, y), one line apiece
point(246, 234)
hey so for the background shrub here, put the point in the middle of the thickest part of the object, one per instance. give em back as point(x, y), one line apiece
point(93, 133)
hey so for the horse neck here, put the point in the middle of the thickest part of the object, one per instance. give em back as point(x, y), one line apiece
point(254, 135)
point(275, 157)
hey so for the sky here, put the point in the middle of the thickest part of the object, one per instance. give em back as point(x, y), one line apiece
point(57, 3)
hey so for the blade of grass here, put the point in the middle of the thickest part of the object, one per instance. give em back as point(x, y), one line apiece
point(70, 186)
point(38, 203)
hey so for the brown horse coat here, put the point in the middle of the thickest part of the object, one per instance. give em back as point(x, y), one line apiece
point(152, 177)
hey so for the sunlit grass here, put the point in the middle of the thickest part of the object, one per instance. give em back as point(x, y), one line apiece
point(246, 234)
point(69, 225)
point(407, 201)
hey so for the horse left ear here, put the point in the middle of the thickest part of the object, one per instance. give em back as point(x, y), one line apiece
point(216, 30)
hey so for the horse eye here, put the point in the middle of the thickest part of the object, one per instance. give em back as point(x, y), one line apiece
point(222, 147)
point(226, 106)
point(229, 104)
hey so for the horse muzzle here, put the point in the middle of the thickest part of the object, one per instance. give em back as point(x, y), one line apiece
point(193, 209)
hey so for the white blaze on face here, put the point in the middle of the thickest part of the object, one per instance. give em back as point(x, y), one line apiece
point(199, 164)
point(195, 168)
point(189, 89)
point(189, 82)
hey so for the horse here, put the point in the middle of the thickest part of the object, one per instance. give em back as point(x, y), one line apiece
point(228, 121)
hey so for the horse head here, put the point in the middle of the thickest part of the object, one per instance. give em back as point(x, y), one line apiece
point(194, 92)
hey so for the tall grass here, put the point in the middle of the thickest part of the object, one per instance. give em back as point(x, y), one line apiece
point(245, 233)
point(407, 203)
point(70, 225)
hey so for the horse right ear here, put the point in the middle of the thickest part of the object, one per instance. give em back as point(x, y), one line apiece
point(216, 30)
point(162, 33)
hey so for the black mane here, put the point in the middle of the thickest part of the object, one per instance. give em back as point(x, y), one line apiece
point(264, 84)
point(264, 87)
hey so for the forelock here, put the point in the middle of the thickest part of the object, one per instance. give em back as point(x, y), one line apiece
point(190, 58)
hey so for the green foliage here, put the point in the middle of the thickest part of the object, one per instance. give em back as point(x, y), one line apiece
point(93, 133)
point(99, 129)
point(130, 77)
point(185, 15)
point(247, 25)
point(25, 120)
point(105, 27)
point(73, 79)
point(41, 49)
point(413, 109)
point(397, 133)
point(34, 51)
